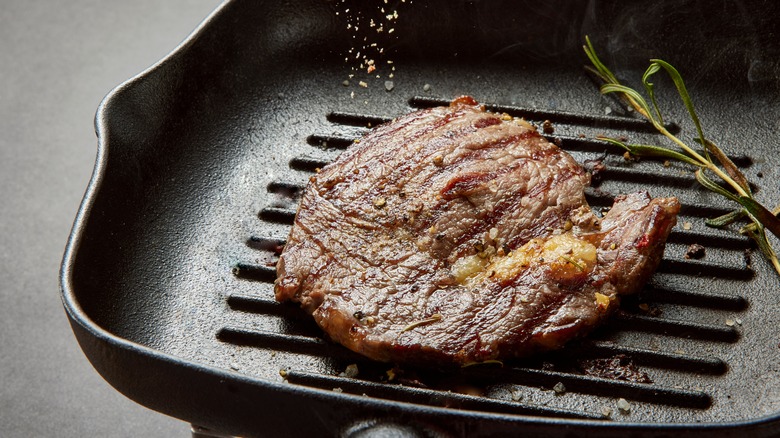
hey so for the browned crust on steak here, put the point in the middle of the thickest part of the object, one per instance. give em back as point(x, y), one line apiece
point(380, 241)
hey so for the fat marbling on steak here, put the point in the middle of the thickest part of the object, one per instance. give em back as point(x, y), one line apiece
point(452, 235)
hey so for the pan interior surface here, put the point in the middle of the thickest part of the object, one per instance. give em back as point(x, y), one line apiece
point(207, 153)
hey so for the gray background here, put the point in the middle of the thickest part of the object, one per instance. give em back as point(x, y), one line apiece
point(57, 61)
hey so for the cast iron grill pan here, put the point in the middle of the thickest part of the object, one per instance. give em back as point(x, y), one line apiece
point(168, 278)
point(305, 340)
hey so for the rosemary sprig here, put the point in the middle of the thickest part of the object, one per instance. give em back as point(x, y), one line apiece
point(737, 187)
point(435, 317)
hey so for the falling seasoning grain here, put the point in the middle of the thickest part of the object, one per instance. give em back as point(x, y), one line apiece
point(623, 405)
point(606, 411)
point(427, 87)
point(389, 85)
point(559, 388)
point(369, 29)
point(687, 226)
point(363, 84)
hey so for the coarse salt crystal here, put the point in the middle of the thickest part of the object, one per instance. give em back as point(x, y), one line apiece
point(351, 371)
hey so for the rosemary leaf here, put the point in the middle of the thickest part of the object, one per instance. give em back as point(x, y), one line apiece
point(727, 219)
point(704, 180)
point(596, 73)
point(646, 150)
point(650, 91)
point(435, 317)
point(575, 264)
point(759, 236)
point(726, 162)
point(602, 69)
point(760, 214)
point(633, 96)
point(753, 226)
point(683, 92)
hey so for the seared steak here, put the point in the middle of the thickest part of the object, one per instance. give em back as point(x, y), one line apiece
point(452, 235)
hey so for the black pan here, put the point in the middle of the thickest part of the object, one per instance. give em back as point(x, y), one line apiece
point(167, 277)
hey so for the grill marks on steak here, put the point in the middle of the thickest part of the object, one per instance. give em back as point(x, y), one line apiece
point(452, 236)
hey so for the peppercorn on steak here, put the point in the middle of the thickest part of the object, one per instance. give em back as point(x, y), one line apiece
point(452, 235)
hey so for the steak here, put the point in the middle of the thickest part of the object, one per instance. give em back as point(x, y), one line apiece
point(452, 235)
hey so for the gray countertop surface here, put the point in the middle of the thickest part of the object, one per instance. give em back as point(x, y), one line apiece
point(57, 61)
